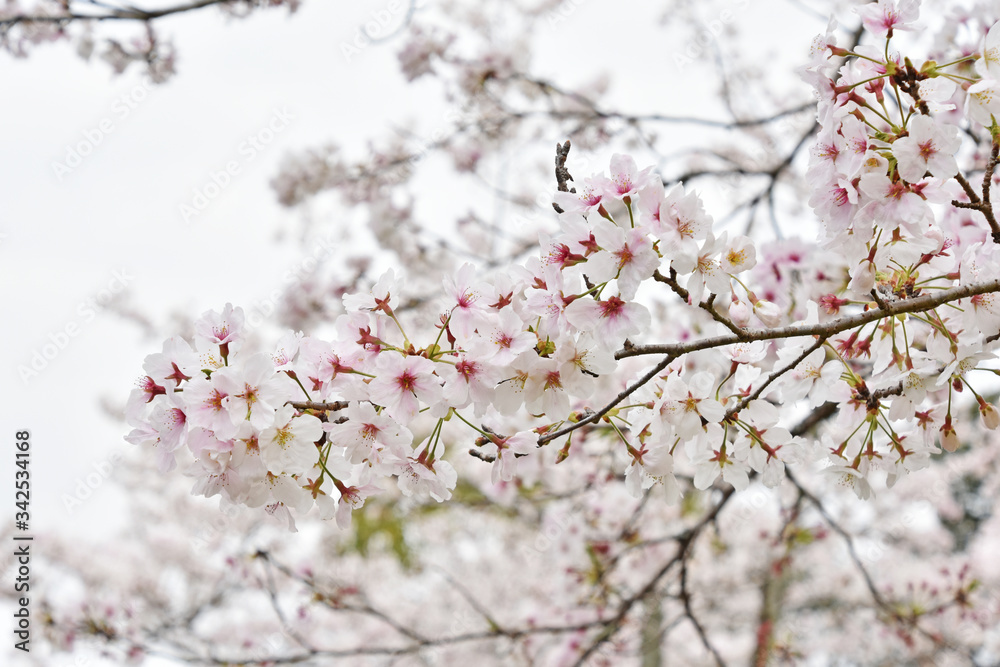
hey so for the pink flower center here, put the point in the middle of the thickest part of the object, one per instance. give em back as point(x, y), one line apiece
point(467, 369)
point(927, 150)
point(215, 400)
point(612, 308)
point(552, 380)
point(625, 256)
point(896, 191)
point(406, 381)
point(369, 431)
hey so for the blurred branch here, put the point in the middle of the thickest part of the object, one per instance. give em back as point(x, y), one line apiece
point(110, 13)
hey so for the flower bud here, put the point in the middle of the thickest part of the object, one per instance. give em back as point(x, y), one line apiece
point(949, 439)
point(991, 418)
point(767, 312)
point(739, 314)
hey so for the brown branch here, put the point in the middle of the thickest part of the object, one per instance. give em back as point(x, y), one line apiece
point(707, 305)
point(315, 405)
point(594, 111)
point(982, 203)
point(562, 173)
point(625, 393)
point(684, 542)
point(879, 599)
point(918, 304)
point(675, 350)
point(817, 416)
point(112, 14)
point(686, 600)
point(419, 642)
point(774, 376)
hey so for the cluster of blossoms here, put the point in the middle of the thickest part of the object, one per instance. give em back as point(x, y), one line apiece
point(25, 24)
point(324, 423)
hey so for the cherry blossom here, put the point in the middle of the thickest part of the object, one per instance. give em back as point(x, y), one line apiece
point(252, 391)
point(288, 446)
point(420, 476)
point(989, 64)
point(506, 451)
point(221, 328)
point(626, 179)
point(626, 255)
point(928, 147)
point(983, 102)
point(502, 339)
point(366, 433)
point(610, 320)
point(882, 18)
point(470, 307)
point(403, 383)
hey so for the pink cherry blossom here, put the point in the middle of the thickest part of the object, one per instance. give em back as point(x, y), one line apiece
point(739, 255)
point(626, 179)
point(418, 477)
point(989, 64)
point(369, 436)
point(983, 102)
point(252, 391)
point(221, 328)
point(288, 446)
point(685, 403)
point(352, 498)
point(469, 309)
point(587, 198)
point(403, 383)
point(885, 16)
point(208, 406)
point(506, 451)
point(627, 255)
point(611, 320)
point(470, 381)
point(176, 364)
point(930, 146)
point(502, 339)
point(682, 223)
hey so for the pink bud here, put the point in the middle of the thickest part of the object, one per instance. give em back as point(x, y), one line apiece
point(739, 313)
point(767, 312)
point(949, 439)
point(991, 418)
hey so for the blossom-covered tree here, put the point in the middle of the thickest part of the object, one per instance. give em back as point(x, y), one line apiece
point(679, 418)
